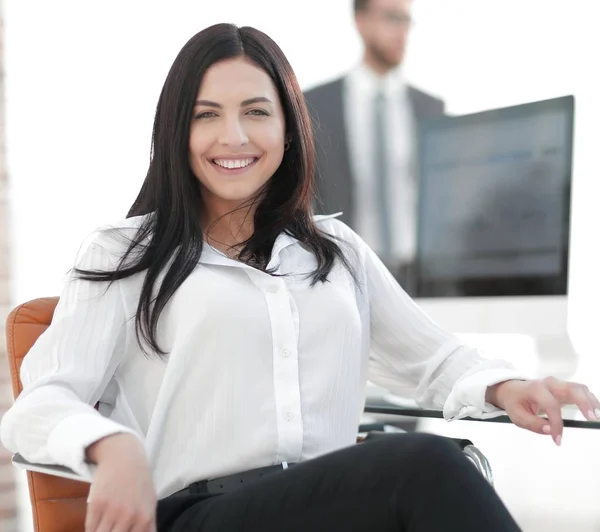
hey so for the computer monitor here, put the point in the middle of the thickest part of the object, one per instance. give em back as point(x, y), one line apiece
point(494, 222)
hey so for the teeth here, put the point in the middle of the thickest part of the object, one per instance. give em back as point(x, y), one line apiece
point(237, 163)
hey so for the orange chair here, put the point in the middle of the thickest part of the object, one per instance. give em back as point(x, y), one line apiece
point(58, 504)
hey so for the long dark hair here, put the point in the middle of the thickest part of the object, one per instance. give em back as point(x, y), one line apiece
point(170, 240)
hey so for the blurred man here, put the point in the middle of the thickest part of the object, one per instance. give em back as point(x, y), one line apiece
point(365, 127)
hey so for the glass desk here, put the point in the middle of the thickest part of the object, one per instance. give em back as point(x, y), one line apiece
point(572, 418)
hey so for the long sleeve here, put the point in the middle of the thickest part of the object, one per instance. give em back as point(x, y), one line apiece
point(412, 356)
point(67, 370)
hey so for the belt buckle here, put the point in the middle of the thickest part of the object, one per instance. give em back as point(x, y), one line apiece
point(284, 465)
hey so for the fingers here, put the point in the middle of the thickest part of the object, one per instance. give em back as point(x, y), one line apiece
point(108, 519)
point(145, 524)
point(548, 395)
point(539, 398)
point(594, 413)
point(92, 517)
point(107, 524)
point(149, 527)
point(595, 403)
point(550, 404)
point(121, 524)
point(111, 517)
point(526, 419)
point(583, 399)
point(577, 394)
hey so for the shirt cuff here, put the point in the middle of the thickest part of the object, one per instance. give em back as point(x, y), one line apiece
point(467, 398)
point(71, 437)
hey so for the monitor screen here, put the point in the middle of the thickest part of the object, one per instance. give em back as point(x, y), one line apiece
point(494, 202)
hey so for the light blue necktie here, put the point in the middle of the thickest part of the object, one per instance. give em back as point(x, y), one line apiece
point(381, 173)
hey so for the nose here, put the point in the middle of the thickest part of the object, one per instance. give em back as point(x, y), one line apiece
point(233, 133)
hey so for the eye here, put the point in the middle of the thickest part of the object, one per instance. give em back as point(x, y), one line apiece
point(205, 114)
point(257, 112)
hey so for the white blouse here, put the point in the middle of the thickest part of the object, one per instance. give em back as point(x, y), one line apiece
point(260, 369)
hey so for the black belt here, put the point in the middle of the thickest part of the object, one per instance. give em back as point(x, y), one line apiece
point(232, 482)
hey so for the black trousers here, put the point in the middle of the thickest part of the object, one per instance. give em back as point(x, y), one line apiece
point(406, 482)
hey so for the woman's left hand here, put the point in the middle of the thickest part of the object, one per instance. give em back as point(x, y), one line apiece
point(525, 401)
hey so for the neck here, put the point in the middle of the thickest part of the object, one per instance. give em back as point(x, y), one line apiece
point(228, 224)
point(378, 67)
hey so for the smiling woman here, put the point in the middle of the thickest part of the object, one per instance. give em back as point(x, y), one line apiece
point(230, 96)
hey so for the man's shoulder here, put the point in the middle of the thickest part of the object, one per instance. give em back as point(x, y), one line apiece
point(323, 89)
point(425, 96)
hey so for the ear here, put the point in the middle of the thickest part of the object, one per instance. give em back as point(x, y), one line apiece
point(287, 143)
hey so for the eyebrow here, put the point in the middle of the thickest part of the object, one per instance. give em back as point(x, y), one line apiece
point(249, 101)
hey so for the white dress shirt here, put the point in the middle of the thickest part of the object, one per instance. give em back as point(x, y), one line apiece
point(361, 86)
point(260, 368)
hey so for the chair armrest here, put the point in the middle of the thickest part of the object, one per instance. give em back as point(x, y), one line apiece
point(480, 461)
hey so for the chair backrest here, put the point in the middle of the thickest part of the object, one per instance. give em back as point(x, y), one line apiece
point(58, 504)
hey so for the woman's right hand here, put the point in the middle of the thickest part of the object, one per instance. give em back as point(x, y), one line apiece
point(122, 496)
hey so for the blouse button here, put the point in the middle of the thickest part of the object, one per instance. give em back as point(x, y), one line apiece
point(273, 288)
point(285, 352)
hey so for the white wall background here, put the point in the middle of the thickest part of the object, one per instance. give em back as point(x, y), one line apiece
point(83, 78)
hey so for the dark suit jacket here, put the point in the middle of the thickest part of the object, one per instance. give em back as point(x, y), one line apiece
point(334, 171)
